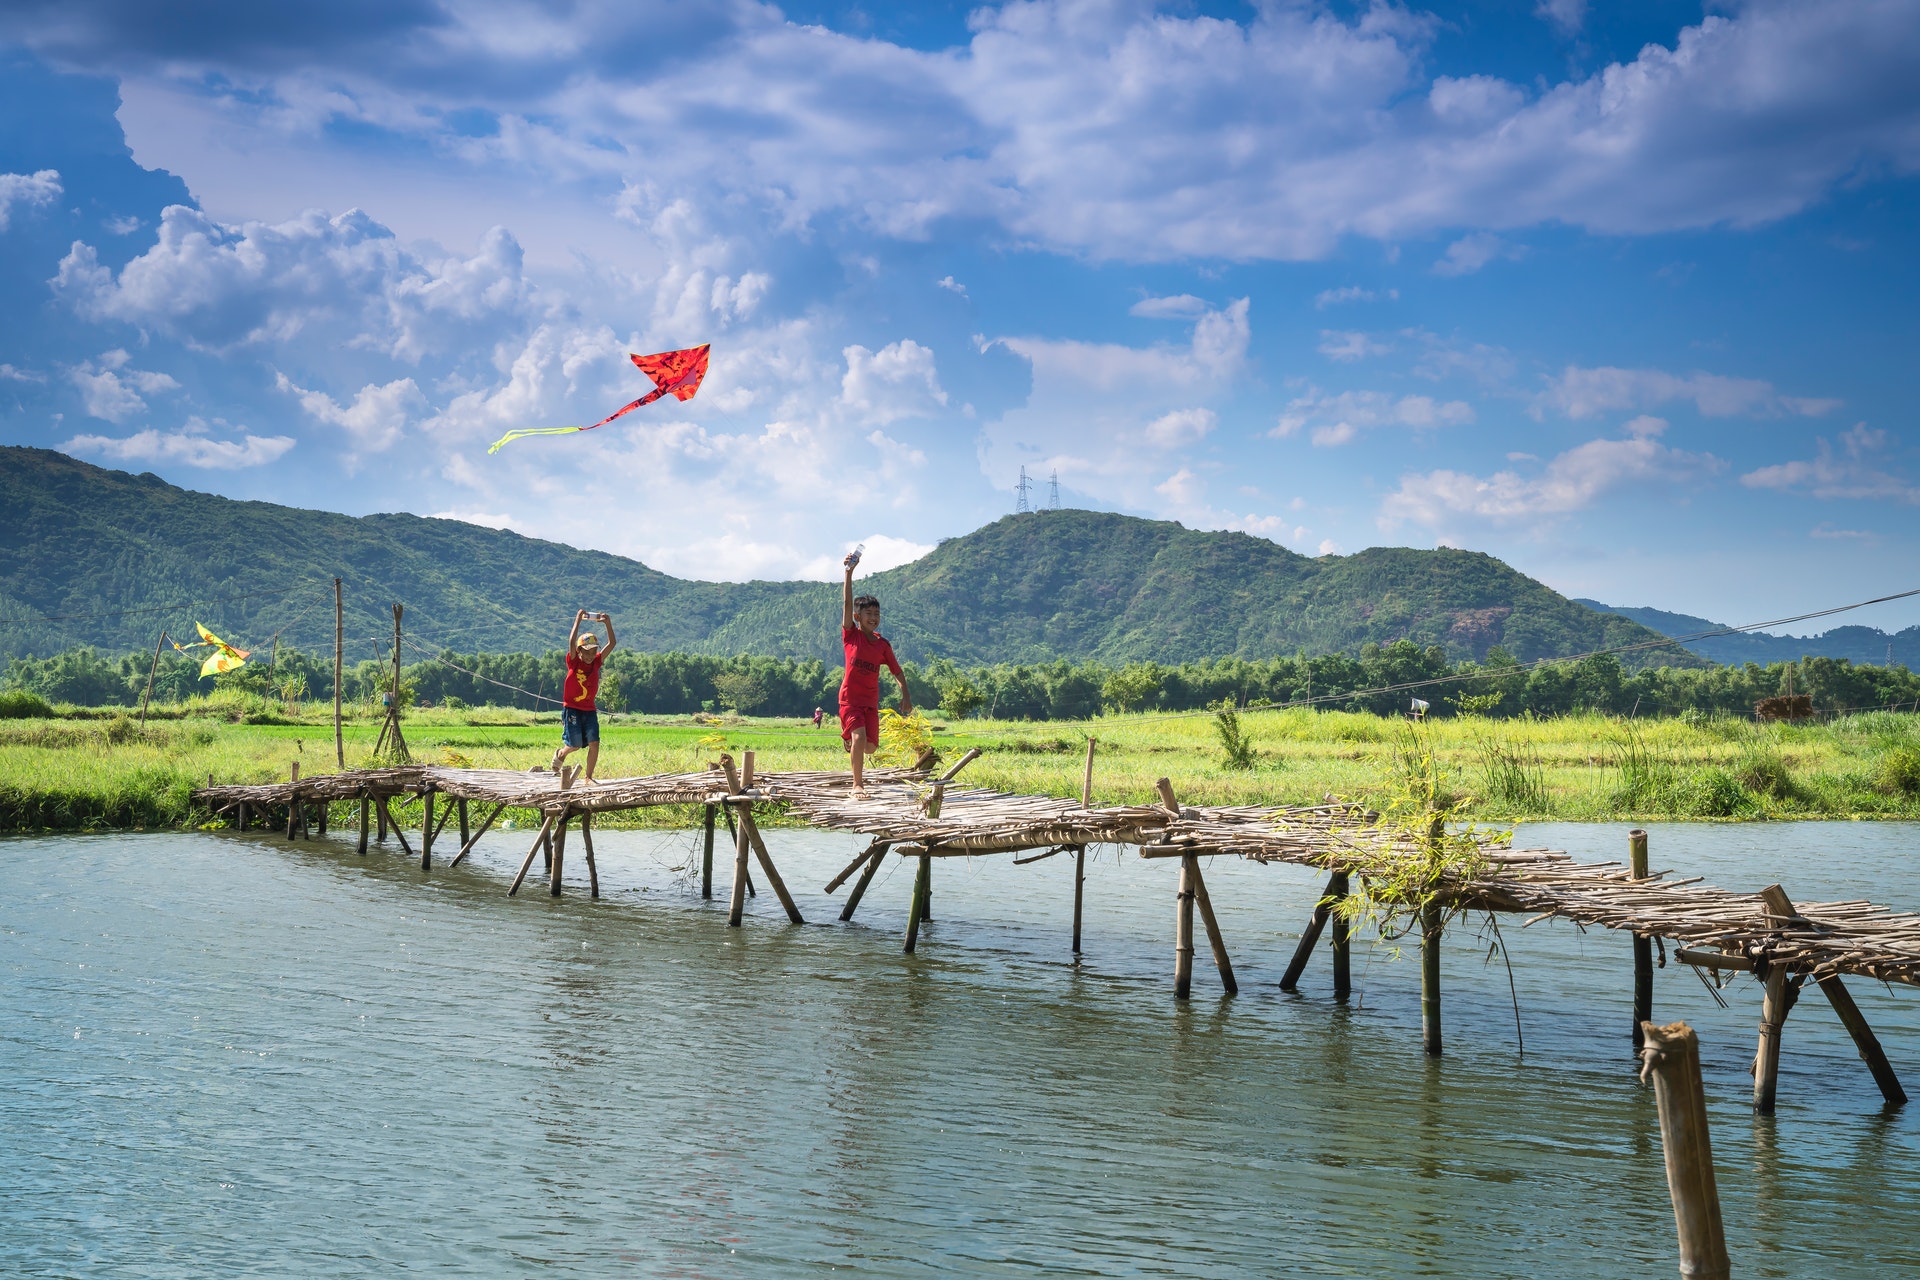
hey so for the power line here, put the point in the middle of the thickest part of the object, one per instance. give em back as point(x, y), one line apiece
point(435, 657)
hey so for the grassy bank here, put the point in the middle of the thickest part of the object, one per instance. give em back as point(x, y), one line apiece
point(76, 774)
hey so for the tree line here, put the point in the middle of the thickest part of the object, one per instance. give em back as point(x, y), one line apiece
point(681, 683)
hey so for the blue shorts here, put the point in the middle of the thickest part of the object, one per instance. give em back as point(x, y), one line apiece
point(579, 728)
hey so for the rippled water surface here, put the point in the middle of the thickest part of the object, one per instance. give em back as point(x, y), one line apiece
point(228, 1055)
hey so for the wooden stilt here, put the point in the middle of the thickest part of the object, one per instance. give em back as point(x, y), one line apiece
point(752, 829)
point(388, 820)
point(1773, 1014)
point(1215, 939)
point(1642, 945)
point(916, 911)
point(1672, 1058)
point(1430, 930)
point(1309, 938)
point(586, 844)
point(426, 830)
point(733, 834)
point(1342, 938)
point(321, 812)
point(462, 804)
point(1080, 873)
point(736, 908)
point(293, 818)
point(879, 852)
point(467, 843)
point(706, 858)
point(365, 807)
point(859, 860)
point(380, 810)
point(1864, 1040)
point(539, 841)
point(1183, 932)
point(559, 853)
point(240, 822)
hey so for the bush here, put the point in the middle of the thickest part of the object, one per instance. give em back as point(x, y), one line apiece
point(1713, 793)
point(452, 703)
point(18, 704)
point(1899, 773)
point(1765, 773)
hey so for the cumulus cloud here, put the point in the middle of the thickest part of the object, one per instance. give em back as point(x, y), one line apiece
point(1347, 345)
point(1567, 16)
point(28, 191)
point(1181, 306)
point(1584, 393)
point(1470, 253)
point(374, 419)
point(1181, 427)
point(1338, 418)
point(1858, 469)
point(112, 391)
point(898, 381)
point(1350, 293)
point(951, 285)
point(1568, 483)
point(1215, 352)
point(193, 446)
point(881, 552)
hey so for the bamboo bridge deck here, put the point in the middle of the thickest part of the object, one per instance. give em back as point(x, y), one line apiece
point(916, 814)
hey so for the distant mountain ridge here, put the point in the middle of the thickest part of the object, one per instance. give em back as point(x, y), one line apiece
point(1863, 646)
point(105, 558)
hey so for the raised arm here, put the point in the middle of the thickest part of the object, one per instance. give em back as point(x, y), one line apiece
point(607, 621)
point(573, 636)
point(846, 597)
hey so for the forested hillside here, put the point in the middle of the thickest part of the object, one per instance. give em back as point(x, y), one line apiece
point(105, 558)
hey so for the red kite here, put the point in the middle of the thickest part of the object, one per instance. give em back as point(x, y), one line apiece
point(674, 373)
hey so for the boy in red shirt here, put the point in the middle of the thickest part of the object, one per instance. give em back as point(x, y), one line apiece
point(579, 718)
point(867, 652)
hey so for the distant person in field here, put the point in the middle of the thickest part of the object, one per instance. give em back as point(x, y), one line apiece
point(579, 717)
point(867, 652)
point(818, 712)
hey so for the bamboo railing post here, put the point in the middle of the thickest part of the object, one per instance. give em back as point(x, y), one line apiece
point(426, 829)
point(1309, 938)
point(1079, 890)
point(152, 671)
point(737, 907)
point(586, 845)
point(1342, 938)
point(1773, 1013)
point(1671, 1055)
point(916, 912)
point(1430, 929)
point(876, 856)
point(1642, 944)
point(706, 858)
point(365, 812)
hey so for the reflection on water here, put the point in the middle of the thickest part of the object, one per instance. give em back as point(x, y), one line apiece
point(225, 1054)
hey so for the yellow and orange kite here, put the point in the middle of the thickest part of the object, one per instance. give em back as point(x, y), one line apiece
point(674, 373)
point(224, 657)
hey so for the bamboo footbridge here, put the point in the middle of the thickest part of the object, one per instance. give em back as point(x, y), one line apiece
point(918, 814)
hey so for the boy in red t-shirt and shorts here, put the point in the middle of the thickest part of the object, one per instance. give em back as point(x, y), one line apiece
point(867, 652)
point(579, 716)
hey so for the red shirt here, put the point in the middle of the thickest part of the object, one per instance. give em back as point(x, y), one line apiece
point(866, 654)
point(583, 681)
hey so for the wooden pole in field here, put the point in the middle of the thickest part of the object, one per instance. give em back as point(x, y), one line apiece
point(339, 652)
point(1642, 944)
point(1672, 1058)
point(151, 672)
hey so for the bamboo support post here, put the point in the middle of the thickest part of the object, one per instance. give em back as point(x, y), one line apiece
point(1672, 1058)
point(1309, 938)
point(859, 860)
point(1183, 933)
point(752, 829)
point(1844, 1007)
point(586, 847)
point(736, 908)
point(293, 819)
point(380, 811)
point(388, 820)
point(322, 810)
point(1430, 930)
point(1214, 939)
point(467, 842)
point(1079, 885)
point(733, 834)
point(426, 829)
point(461, 804)
point(1773, 1014)
point(240, 817)
point(1342, 938)
point(874, 857)
point(567, 774)
point(917, 910)
point(365, 807)
point(1642, 944)
point(706, 858)
point(540, 838)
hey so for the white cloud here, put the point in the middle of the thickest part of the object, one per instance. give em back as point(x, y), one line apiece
point(191, 446)
point(10, 374)
point(27, 191)
point(1181, 427)
point(1585, 393)
point(376, 417)
point(1348, 345)
point(1181, 306)
point(1350, 293)
point(1337, 419)
point(1568, 16)
point(1470, 253)
point(1328, 547)
point(1568, 483)
point(1828, 531)
point(111, 391)
point(898, 381)
point(951, 285)
point(1216, 351)
point(1858, 470)
point(881, 552)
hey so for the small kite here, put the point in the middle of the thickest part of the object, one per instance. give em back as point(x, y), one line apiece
point(674, 373)
point(224, 657)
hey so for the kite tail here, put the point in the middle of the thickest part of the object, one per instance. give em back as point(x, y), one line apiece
point(530, 431)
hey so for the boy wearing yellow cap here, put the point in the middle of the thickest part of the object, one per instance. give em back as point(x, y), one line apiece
point(579, 717)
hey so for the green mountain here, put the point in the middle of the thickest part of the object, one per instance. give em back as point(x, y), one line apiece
point(105, 558)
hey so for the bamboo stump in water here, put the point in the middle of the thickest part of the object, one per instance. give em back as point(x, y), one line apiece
point(1672, 1058)
point(1773, 1014)
point(1079, 890)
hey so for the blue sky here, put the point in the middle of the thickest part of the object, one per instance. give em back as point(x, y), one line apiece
point(1624, 295)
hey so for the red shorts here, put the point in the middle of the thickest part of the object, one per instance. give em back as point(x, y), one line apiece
point(852, 718)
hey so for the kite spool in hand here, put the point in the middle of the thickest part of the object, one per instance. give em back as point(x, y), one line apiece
point(674, 373)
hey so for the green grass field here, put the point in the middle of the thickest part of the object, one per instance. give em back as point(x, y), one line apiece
point(70, 773)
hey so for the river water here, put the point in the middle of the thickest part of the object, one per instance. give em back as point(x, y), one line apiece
point(224, 1055)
